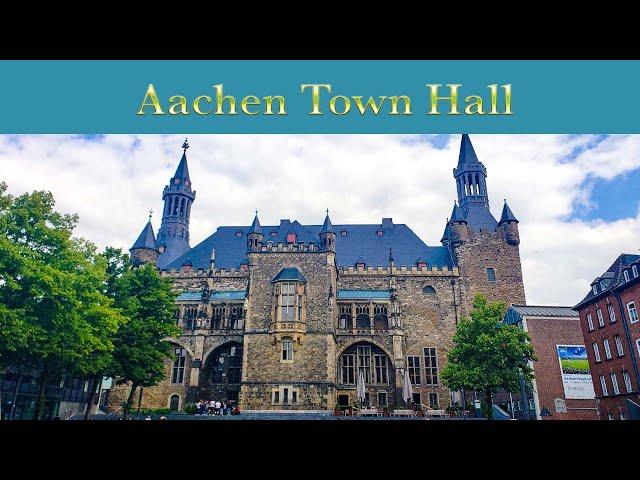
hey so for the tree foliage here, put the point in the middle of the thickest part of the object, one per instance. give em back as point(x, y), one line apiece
point(487, 354)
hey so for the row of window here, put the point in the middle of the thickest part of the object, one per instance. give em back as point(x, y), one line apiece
point(615, 388)
point(631, 309)
point(607, 348)
point(603, 284)
point(428, 364)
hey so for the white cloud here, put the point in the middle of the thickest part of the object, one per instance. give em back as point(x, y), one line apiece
point(112, 183)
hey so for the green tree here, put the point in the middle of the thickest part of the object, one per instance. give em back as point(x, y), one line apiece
point(50, 289)
point(487, 354)
point(142, 344)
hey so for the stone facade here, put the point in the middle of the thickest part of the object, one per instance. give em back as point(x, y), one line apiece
point(285, 317)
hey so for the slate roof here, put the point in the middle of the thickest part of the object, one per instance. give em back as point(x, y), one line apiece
point(507, 215)
point(255, 226)
point(456, 214)
point(230, 243)
point(364, 294)
point(516, 312)
point(327, 227)
point(479, 217)
point(182, 171)
point(146, 239)
point(614, 274)
point(467, 153)
point(290, 273)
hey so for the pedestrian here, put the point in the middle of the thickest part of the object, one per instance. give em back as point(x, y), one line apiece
point(212, 407)
point(218, 405)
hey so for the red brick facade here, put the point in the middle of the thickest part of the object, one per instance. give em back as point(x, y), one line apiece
point(545, 334)
point(619, 361)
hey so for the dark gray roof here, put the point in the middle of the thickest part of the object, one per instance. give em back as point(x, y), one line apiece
point(507, 215)
point(327, 227)
point(479, 217)
point(516, 312)
point(467, 153)
point(289, 274)
point(359, 241)
point(146, 239)
point(255, 226)
point(182, 172)
point(456, 214)
point(614, 276)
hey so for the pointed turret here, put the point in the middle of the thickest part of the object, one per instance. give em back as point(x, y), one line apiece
point(467, 153)
point(145, 248)
point(254, 235)
point(507, 215)
point(173, 236)
point(509, 226)
point(327, 235)
point(446, 235)
point(456, 215)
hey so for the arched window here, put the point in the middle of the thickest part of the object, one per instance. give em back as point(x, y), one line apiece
point(174, 403)
point(429, 290)
point(223, 372)
point(368, 358)
point(362, 317)
point(380, 319)
point(344, 321)
point(218, 317)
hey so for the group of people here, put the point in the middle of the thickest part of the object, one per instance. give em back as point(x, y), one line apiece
point(213, 407)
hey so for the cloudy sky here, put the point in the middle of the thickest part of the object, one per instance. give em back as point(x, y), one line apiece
point(577, 196)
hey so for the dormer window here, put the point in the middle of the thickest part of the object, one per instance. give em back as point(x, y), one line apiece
point(291, 238)
point(603, 285)
point(595, 289)
point(343, 233)
point(380, 233)
point(360, 264)
point(634, 269)
point(176, 181)
point(627, 277)
point(273, 233)
point(239, 233)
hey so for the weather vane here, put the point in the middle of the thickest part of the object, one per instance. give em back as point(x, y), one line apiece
point(150, 213)
point(185, 145)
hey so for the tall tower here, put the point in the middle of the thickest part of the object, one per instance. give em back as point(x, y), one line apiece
point(173, 236)
point(471, 184)
point(486, 251)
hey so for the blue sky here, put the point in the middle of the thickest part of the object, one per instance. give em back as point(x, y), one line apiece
point(576, 196)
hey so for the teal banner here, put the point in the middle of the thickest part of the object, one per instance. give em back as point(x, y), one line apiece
point(339, 97)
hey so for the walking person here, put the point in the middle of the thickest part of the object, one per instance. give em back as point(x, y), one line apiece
point(218, 405)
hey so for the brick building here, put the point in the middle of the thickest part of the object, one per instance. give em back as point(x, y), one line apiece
point(557, 393)
point(609, 320)
point(283, 317)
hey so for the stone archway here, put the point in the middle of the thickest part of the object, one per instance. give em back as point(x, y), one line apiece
point(378, 370)
point(222, 373)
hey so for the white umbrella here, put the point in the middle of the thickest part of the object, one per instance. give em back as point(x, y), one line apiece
point(361, 387)
point(407, 390)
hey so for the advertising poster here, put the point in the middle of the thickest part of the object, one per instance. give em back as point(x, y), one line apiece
point(574, 368)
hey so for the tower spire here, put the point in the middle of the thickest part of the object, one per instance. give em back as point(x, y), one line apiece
point(178, 196)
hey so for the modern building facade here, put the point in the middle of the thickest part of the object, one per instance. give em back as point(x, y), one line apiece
point(560, 390)
point(284, 316)
point(610, 324)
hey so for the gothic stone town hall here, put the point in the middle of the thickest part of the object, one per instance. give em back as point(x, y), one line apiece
point(283, 317)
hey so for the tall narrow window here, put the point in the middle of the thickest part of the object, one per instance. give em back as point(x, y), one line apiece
point(287, 349)
point(381, 369)
point(491, 275)
point(413, 362)
point(619, 348)
point(603, 384)
point(612, 313)
point(627, 381)
point(627, 277)
point(174, 403)
point(607, 349)
point(600, 317)
point(364, 362)
point(590, 322)
point(634, 269)
point(382, 399)
point(347, 369)
point(633, 312)
point(433, 400)
point(430, 366)
point(287, 302)
point(614, 384)
point(596, 352)
point(177, 373)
